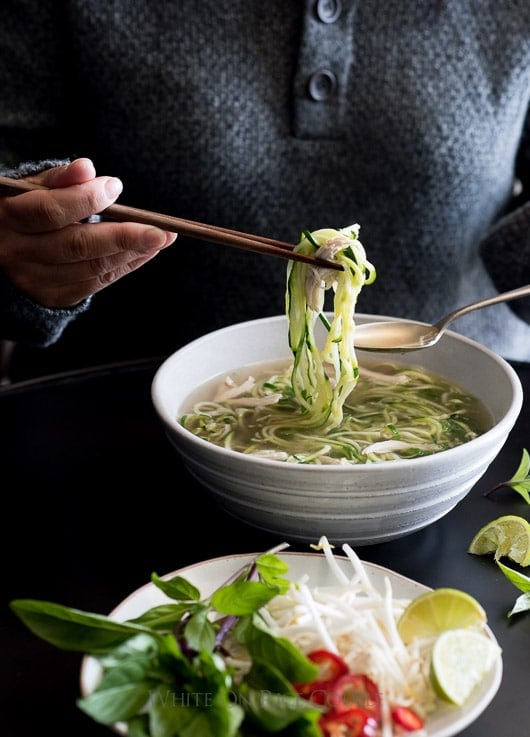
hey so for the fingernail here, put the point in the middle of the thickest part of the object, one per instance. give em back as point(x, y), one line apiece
point(153, 238)
point(113, 187)
point(170, 238)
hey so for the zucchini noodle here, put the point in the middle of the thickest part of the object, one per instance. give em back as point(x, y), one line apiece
point(321, 407)
point(321, 392)
point(394, 412)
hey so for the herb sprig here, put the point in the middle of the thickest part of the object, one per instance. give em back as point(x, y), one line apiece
point(520, 481)
point(164, 673)
point(522, 582)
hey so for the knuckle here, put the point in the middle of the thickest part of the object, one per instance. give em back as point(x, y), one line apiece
point(108, 277)
point(49, 209)
point(45, 209)
point(80, 244)
point(93, 201)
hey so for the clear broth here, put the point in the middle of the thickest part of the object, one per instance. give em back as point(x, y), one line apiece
point(453, 417)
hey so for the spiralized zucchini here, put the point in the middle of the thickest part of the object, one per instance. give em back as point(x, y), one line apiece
point(319, 408)
point(320, 395)
point(394, 412)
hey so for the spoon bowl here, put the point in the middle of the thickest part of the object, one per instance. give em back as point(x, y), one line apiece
point(400, 336)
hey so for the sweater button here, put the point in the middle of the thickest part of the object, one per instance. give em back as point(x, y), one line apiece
point(322, 84)
point(328, 10)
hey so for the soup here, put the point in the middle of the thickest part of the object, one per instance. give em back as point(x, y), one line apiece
point(394, 412)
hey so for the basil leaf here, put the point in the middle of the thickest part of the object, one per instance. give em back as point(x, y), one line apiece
point(242, 597)
point(177, 588)
point(264, 676)
point(132, 670)
point(518, 579)
point(138, 726)
point(275, 712)
point(164, 617)
point(522, 488)
point(137, 646)
point(520, 481)
point(115, 704)
point(522, 604)
point(194, 714)
point(522, 582)
point(523, 469)
point(272, 570)
point(199, 632)
point(277, 652)
point(72, 629)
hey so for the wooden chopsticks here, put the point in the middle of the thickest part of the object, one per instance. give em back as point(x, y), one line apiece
point(190, 228)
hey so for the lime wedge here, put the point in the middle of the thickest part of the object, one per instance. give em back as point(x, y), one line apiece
point(460, 660)
point(432, 613)
point(507, 536)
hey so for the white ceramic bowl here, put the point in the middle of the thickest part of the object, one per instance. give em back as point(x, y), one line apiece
point(360, 504)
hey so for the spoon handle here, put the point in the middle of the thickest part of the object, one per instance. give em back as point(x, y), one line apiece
point(502, 297)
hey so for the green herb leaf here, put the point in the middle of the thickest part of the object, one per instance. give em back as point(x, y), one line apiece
point(243, 597)
point(518, 579)
point(524, 467)
point(138, 726)
point(520, 481)
point(199, 631)
point(141, 645)
point(523, 489)
point(272, 570)
point(162, 674)
point(278, 652)
point(164, 617)
point(522, 604)
point(177, 588)
point(72, 629)
point(265, 676)
point(274, 712)
point(133, 670)
point(197, 714)
point(522, 582)
point(116, 704)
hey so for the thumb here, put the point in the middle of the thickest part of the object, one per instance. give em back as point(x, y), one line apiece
point(78, 171)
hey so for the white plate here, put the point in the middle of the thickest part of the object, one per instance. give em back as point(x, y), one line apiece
point(208, 575)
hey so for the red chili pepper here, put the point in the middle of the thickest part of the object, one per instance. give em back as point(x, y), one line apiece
point(356, 690)
point(407, 718)
point(330, 667)
point(353, 722)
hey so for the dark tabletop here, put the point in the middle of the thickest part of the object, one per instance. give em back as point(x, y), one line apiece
point(95, 499)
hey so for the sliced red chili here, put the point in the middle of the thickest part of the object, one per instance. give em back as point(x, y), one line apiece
point(330, 667)
point(355, 689)
point(407, 718)
point(353, 722)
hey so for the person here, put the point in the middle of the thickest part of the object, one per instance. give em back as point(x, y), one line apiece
point(63, 271)
point(270, 118)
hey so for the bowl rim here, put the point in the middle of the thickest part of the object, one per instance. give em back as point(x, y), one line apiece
point(503, 426)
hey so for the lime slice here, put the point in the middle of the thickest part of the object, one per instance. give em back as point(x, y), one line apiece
point(507, 536)
point(436, 611)
point(460, 660)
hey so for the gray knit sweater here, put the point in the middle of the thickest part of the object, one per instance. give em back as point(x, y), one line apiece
point(407, 118)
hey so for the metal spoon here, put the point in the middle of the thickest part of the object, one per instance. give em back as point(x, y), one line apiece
point(399, 336)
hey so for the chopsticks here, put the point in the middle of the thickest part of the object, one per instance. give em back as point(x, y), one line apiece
point(190, 228)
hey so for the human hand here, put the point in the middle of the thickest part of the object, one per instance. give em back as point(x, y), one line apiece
point(51, 256)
